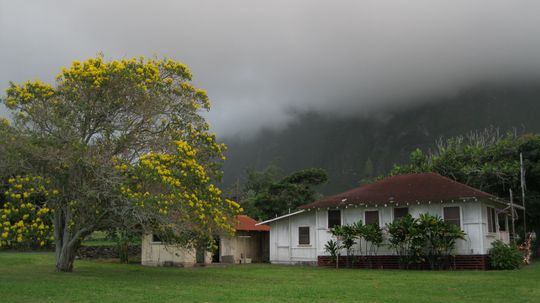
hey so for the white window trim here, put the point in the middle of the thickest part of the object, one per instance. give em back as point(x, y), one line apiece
point(460, 213)
point(372, 209)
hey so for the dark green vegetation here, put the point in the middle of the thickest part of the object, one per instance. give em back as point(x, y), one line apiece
point(266, 194)
point(426, 238)
point(505, 256)
point(488, 161)
point(29, 277)
point(357, 147)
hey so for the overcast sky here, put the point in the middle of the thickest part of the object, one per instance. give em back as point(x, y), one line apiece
point(262, 60)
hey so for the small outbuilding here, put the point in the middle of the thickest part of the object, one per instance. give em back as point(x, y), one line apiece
point(249, 244)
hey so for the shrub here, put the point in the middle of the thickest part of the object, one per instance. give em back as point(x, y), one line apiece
point(332, 247)
point(346, 234)
point(427, 238)
point(504, 256)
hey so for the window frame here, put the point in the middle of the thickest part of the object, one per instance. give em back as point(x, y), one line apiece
point(459, 212)
point(155, 239)
point(394, 212)
point(492, 222)
point(328, 218)
point(378, 216)
point(503, 216)
point(300, 235)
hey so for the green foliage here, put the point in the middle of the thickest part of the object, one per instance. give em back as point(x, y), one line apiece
point(266, 196)
point(406, 238)
point(504, 256)
point(333, 247)
point(440, 239)
point(427, 238)
point(123, 238)
point(346, 234)
point(373, 234)
point(25, 218)
point(488, 161)
point(350, 234)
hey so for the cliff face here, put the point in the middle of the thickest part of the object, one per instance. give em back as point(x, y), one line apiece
point(351, 149)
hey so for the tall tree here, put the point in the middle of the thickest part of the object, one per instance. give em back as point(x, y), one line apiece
point(488, 160)
point(265, 196)
point(119, 141)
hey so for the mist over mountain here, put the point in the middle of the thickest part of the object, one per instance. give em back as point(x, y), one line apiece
point(351, 148)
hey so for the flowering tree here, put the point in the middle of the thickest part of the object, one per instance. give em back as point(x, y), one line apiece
point(122, 144)
point(25, 218)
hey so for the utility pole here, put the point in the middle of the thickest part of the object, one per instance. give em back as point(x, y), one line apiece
point(522, 174)
point(513, 218)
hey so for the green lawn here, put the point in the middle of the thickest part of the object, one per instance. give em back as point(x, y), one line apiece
point(29, 277)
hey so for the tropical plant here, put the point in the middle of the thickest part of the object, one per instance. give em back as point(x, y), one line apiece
point(333, 248)
point(373, 235)
point(427, 238)
point(440, 239)
point(406, 239)
point(504, 256)
point(346, 235)
point(358, 229)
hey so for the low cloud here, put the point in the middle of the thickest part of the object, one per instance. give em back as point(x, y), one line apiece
point(261, 61)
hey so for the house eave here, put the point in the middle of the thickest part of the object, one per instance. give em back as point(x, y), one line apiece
point(281, 217)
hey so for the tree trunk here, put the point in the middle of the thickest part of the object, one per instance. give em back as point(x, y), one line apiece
point(65, 262)
point(536, 244)
point(123, 252)
point(67, 241)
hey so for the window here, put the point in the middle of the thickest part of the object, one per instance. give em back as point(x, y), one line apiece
point(303, 235)
point(451, 215)
point(156, 238)
point(502, 221)
point(372, 217)
point(334, 218)
point(400, 212)
point(492, 215)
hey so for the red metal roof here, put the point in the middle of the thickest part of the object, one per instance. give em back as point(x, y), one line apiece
point(247, 223)
point(403, 188)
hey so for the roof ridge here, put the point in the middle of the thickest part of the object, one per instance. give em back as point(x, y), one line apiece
point(409, 187)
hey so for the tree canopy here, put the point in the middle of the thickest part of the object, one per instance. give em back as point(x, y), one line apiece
point(120, 143)
point(265, 195)
point(487, 160)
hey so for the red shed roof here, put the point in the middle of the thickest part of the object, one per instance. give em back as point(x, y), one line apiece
point(403, 188)
point(247, 223)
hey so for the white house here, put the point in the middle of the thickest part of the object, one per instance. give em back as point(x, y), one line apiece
point(300, 237)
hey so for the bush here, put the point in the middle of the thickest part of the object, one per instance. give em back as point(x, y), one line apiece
point(504, 256)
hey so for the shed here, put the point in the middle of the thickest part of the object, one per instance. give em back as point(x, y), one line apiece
point(249, 244)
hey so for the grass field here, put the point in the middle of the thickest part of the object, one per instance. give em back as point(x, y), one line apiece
point(29, 277)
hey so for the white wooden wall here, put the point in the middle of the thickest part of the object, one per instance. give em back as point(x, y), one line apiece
point(284, 247)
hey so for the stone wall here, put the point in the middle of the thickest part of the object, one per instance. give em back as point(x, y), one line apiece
point(106, 252)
